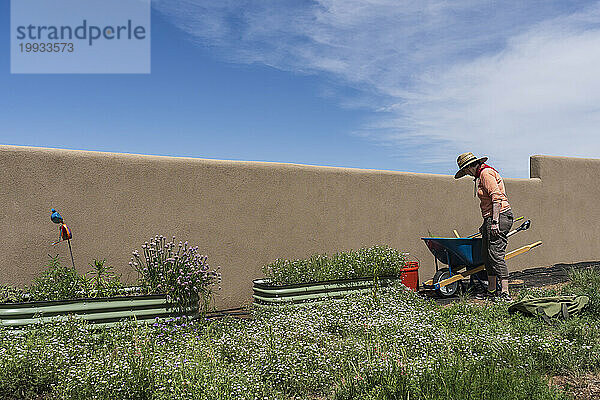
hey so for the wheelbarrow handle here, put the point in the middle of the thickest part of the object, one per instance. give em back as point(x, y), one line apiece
point(524, 226)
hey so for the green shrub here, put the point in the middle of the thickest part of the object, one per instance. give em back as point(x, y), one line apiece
point(372, 262)
point(58, 283)
point(9, 294)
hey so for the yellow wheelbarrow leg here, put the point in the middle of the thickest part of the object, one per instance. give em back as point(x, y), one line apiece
point(458, 277)
point(463, 275)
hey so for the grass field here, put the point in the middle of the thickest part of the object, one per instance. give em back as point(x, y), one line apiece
point(389, 344)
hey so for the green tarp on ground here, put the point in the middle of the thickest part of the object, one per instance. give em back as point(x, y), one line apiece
point(550, 307)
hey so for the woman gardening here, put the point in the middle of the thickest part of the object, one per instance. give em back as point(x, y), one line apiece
point(497, 219)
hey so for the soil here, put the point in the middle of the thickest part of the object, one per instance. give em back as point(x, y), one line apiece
point(546, 276)
point(584, 387)
point(240, 312)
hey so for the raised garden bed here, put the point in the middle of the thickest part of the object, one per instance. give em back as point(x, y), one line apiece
point(322, 276)
point(266, 293)
point(99, 311)
point(177, 276)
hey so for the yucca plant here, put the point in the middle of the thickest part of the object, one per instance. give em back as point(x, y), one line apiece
point(103, 281)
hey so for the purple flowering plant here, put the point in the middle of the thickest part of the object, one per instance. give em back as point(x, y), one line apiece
point(177, 270)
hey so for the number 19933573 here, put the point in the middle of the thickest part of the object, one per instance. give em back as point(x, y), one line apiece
point(46, 47)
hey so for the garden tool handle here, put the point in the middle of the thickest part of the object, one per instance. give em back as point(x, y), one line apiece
point(524, 226)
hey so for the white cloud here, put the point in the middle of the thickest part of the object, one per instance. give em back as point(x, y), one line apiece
point(505, 79)
point(539, 95)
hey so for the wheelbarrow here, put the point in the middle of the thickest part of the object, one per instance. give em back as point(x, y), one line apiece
point(462, 252)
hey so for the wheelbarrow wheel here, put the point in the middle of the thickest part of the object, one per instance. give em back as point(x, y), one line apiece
point(448, 290)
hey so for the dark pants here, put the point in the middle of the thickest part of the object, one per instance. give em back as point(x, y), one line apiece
point(493, 247)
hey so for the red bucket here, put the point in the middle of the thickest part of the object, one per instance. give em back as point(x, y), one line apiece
point(410, 275)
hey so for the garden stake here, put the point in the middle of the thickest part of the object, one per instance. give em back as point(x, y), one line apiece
point(71, 252)
point(64, 232)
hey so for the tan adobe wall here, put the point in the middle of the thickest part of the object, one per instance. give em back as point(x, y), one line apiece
point(246, 214)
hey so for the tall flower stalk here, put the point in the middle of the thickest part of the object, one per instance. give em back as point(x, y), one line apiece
point(177, 270)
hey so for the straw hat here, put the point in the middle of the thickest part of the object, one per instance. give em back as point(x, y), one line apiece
point(464, 160)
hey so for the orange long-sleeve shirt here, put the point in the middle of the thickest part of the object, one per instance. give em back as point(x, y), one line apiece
point(491, 190)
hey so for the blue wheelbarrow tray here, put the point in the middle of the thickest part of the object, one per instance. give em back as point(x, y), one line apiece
point(456, 252)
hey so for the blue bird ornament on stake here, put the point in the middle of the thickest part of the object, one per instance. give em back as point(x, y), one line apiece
point(56, 217)
point(64, 231)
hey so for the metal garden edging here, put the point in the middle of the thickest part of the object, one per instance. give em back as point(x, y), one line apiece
point(99, 311)
point(265, 293)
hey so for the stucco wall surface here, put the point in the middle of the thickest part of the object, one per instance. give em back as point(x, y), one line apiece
point(246, 214)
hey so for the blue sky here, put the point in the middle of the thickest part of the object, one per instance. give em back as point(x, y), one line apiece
point(385, 84)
